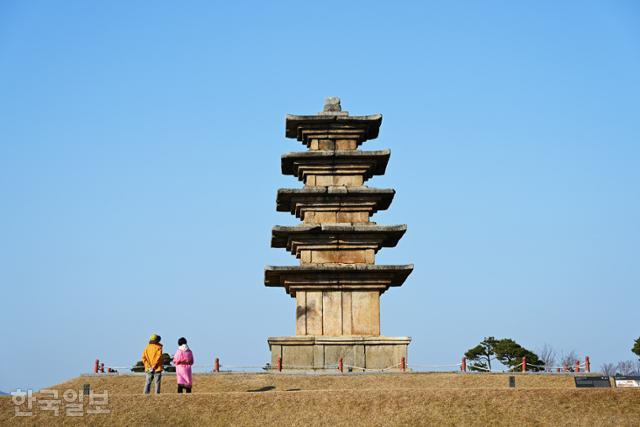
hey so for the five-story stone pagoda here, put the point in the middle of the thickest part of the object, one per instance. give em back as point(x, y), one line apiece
point(337, 285)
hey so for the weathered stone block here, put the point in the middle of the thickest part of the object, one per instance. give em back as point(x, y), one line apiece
point(297, 357)
point(370, 256)
point(314, 313)
point(324, 180)
point(354, 217)
point(359, 352)
point(346, 144)
point(320, 217)
point(301, 313)
point(305, 257)
point(341, 257)
point(276, 352)
point(333, 353)
point(348, 180)
point(384, 356)
point(334, 180)
point(326, 144)
point(331, 313)
point(318, 357)
point(365, 313)
point(346, 313)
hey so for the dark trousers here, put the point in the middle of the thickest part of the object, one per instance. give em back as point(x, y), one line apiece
point(186, 388)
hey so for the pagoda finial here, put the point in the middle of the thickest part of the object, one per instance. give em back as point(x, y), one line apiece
point(332, 103)
point(332, 107)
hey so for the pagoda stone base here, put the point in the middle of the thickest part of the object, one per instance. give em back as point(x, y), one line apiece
point(322, 352)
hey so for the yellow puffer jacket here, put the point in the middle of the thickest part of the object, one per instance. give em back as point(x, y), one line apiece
point(152, 357)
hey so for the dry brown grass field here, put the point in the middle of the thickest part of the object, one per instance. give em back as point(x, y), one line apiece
point(353, 399)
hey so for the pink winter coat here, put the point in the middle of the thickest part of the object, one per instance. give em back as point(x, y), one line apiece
point(183, 359)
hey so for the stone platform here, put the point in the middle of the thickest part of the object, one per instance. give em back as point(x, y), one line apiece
point(322, 352)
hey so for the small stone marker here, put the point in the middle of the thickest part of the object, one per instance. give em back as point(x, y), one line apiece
point(86, 389)
point(512, 381)
point(627, 381)
point(591, 382)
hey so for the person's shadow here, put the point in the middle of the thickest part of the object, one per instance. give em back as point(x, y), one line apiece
point(265, 388)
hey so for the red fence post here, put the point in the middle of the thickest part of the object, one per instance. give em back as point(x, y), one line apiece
point(96, 366)
point(340, 365)
point(403, 364)
point(524, 363)
point(463, 365)
point(216, 365)
point(557, 369)
point(577, 366)
point(279, 363)
point(102, 368)
point(587, 364)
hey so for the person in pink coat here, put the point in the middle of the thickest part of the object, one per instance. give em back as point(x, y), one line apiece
point(183, 359)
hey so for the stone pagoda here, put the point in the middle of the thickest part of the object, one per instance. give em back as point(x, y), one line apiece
point(337, 285)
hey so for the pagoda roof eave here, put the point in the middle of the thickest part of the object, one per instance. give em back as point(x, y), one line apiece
point(337, 275)
point(371, 122)
point(380, 157)
point(285, 202)
point(388, 235)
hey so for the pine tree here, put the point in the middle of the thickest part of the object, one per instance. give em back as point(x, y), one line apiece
point(636, 347)
point(510, 354)
point(505, 350)
point(481, 355)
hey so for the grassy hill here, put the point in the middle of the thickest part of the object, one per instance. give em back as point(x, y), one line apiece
point(375, 399)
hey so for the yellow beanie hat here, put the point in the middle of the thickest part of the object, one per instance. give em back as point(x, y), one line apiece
point(154, 337)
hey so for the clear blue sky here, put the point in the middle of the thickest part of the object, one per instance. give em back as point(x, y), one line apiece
point(140, 149)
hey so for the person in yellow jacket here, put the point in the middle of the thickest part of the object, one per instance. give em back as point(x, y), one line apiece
point(152, 359)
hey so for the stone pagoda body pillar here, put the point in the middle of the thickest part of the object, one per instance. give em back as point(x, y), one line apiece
point(337, 285)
